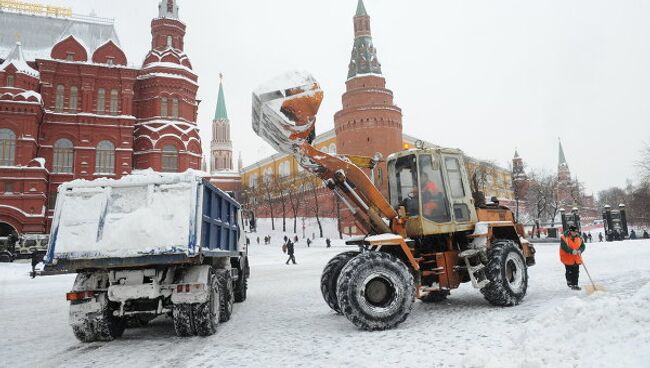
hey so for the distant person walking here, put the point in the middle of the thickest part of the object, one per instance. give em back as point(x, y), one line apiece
point(591, 240)
point(571, 248)
point(600, 237)
point(308, 242)
point(258, 240)
point(288, 248)
point(328, 243)
point(645, 234)
point(632, 235)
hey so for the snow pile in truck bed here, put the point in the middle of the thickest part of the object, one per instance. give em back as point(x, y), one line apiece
point(146, 213)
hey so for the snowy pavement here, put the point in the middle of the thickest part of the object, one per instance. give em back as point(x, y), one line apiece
point(285, 322)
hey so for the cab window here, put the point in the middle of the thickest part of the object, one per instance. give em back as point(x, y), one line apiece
point(432, 190)
point(402, 182)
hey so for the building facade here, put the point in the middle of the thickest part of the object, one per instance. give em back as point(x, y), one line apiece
point(72, 108)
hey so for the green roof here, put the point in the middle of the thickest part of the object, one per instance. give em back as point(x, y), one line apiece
point(361, 9)
point(221, 113)
point(562, 159)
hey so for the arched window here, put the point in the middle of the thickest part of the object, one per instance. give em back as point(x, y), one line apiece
point(74, 98)
point(252, 181)
point(63, 157)
point(268, 175)
point(101, 101)
point(170, 40)
point(60, 98)
point(332, 149)
point(169, 159)
point(163, 107)
point(105, 158)
point(11, 81)
point(284, 169)
point(175, 108)
point(115, 97)
point(7, 147)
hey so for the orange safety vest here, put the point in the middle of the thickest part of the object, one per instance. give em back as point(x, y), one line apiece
point(573, 243)
point(429, 206)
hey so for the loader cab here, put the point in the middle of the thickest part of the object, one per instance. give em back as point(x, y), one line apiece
point(433, 188)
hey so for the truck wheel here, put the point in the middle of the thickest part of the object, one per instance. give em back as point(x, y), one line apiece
point(241, 288)
point(206, 315)
point(183, 321)
point(330, 277)
point(435, 297)
point(5, 257)
point(376, 291)
point(226, 294)
point(84, 331)
point(107, 326)
point(507, 272)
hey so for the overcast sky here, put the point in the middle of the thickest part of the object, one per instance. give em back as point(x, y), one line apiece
point(483, 76)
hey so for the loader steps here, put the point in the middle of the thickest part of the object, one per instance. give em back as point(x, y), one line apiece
point(475, 268)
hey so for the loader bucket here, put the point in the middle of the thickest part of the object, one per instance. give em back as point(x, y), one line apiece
point(284, 110)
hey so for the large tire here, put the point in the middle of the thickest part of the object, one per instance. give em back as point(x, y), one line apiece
point(100, 325)
point(376, 291)
point(201, 318)
point(507, 272)
point(107, 326)
point(330, 277)
point(241, 285)
point(435, 297)
point(207, 315)
point(226, 294)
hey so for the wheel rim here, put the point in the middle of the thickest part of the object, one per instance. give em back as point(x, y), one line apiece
point(379, 291)
point(515, 272)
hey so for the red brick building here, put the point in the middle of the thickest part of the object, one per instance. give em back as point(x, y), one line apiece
point(74, 109)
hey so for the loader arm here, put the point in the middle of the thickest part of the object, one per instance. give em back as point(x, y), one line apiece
point(284, 115)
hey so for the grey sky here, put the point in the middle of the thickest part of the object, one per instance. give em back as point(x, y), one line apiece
point(483, 76)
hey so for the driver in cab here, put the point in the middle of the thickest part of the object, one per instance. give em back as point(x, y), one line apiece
point(430, 195)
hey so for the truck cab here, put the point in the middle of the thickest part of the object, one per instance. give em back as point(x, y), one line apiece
point(432, 187)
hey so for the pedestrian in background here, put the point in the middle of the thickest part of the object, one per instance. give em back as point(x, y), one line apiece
point(571, 248)
point(308, 242)
point(600, 237)
point(328, 242)
point(288, 248)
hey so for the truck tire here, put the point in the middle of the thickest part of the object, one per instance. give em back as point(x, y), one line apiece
point(241, 285)
point(183, 321)
point(507, 272)
point(226, 294)
point(376, 291)
point(107, 326)
point(5, 257)
point(330, 277)
point(206, 315)
point(241, 289)
point(435, 297)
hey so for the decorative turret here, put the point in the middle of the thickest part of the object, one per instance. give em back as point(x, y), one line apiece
point(168, 9)
point(369, 121)
point(364, 55)
point(16, 73)
point(221, 145)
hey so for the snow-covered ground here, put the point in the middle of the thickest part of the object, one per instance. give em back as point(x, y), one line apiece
point(285, 322)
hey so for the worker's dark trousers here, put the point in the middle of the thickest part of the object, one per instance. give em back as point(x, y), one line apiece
point(291, 258)
point(572, 274)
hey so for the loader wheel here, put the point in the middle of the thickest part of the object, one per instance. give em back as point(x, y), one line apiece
point(330, 277)
point(376, 291)
point(226, 294)
point(435, 297)
point(183, 323)
point(507, 272)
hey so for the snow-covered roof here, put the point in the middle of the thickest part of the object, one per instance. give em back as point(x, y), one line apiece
point(17, 59)
point(38, 34)
point(27, 96)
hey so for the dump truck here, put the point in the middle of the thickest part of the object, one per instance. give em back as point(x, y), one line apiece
point(145, 245)
point(427, 238)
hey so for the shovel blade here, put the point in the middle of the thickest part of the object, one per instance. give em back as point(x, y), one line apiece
point(595, 288)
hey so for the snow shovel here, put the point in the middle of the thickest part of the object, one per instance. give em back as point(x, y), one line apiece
point(593, 287)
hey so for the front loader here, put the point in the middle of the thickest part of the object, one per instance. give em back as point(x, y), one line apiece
point(422, 242)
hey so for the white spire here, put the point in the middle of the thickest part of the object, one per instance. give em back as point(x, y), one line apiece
point(168, 9)
point(17, 58)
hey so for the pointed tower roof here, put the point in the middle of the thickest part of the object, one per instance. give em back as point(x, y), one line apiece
point(361, 9)
point(516, 153)
point(561, 159)
point(364, 55)
point(221, 113)
point(17, 59)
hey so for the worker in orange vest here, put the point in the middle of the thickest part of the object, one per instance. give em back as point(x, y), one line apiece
point(571, 248)
point(430, 192)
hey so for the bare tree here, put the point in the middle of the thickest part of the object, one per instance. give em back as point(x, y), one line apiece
point(644, 164)
point(540, 196)
point(295, 189)
point(312, 187)
point(279, 187)
point(266, 188)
